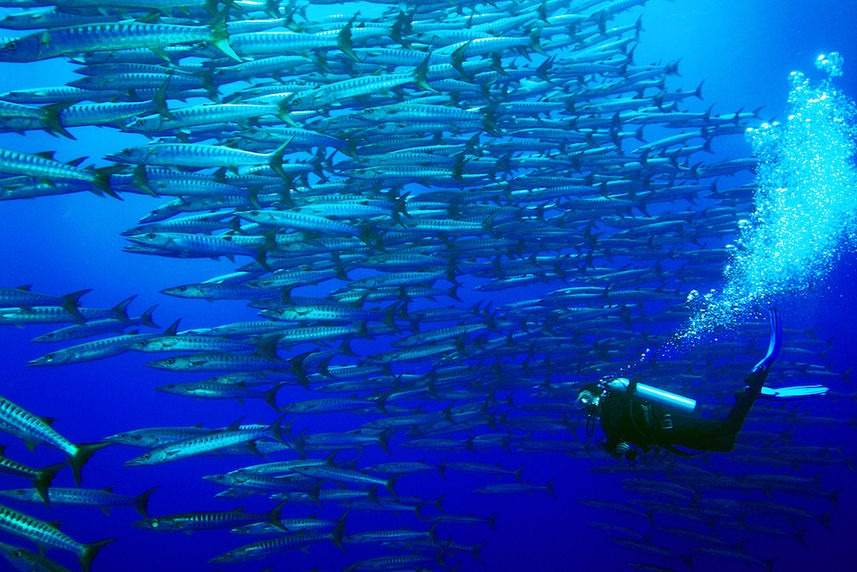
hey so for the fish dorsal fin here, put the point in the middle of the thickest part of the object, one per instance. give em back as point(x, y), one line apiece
point(49, 421)
point(25, 287)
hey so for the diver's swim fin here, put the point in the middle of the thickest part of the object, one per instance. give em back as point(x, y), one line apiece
point(775, 343)
point(795, 391)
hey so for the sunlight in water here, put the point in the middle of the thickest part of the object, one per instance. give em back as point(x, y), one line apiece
point(806, 205)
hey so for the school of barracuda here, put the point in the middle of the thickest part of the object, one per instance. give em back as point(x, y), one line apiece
point(490, 202)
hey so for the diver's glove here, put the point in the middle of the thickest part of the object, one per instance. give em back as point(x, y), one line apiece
point(626, 449)
point(775, 343)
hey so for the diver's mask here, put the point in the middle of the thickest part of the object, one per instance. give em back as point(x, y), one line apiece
point(588, 399)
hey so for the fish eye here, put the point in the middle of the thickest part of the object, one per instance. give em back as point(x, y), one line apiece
point(151, 235)
point(154, 523)
point(19, 492)
point(182, 288)
point(170, 361)
point(50, 357)
point(145, 456)
point(18, 554)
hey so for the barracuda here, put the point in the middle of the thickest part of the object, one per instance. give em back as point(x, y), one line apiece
point(211, 390)
point(213, 441)
point(190, 521)
point(17, 421)
point(355, 87)
point(342, 475)
point(100, 498)
point(44, 534)
point(287, 524)
point(113, 36)
point(220, 362)
point(191, 155)
point(190, 343)
point(201, 115)
point(299, 220)
point(90, 351)
point(41, 478)
point(23, 297)
point(268, 547)
point(327, 312)
point(20, 163)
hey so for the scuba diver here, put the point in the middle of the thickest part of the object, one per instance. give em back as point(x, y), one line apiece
point(638, 417)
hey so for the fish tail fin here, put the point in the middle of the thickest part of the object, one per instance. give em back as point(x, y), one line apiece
point(421, 75)
point(91, 550)
point(476, 552)
point(338, 530)
point(146, 318)
point(275, 516)
point(79, 459)
point(277, 428)
point(220, 36)
point(276, 160)
point(267, 347)
point(141, 502)
point(101, 180)
point(70, 303)
point(270, 396)
point(344, 40)
point(384, 440)
point(51, 118)
point(391, 484)
point(43, 479)
point(120, 310)
point(549, 487)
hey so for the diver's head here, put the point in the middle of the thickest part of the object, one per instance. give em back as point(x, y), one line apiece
point(589, 397)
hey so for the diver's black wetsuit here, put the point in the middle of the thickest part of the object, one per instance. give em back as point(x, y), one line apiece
point(626, 417)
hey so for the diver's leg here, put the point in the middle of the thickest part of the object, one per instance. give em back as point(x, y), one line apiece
point(744, 401)
point(700, 434)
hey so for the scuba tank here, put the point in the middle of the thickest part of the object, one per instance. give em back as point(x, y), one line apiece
point(667, 399)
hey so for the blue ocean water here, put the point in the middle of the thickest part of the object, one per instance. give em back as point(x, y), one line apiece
point(743, 53)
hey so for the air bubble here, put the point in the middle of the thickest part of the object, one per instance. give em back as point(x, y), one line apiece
point(806, 207)
point(830, 63)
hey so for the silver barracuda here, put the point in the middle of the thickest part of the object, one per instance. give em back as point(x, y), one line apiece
point(113, 36)
point(100, 498)
point(42, 533)
point(212, 441)
point(19, 422)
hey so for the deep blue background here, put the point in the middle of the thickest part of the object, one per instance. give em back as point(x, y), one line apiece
point(742, 50)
